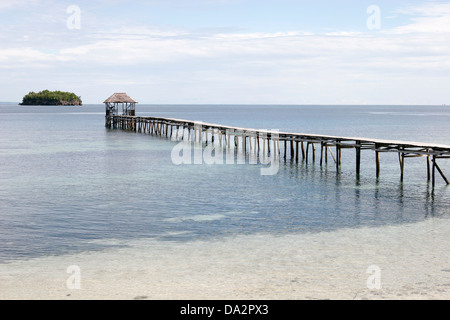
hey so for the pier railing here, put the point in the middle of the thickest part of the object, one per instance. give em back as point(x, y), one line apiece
point(294, 144)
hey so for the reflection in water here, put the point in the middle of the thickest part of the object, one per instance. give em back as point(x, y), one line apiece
point(357, 197)
point(429, 201)
point(400, 197)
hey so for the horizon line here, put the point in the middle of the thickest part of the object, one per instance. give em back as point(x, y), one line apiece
point(261, 104)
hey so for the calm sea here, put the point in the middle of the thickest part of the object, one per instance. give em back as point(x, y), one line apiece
point(67, 184)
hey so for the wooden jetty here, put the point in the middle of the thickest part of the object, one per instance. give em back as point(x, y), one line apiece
point(283, 144)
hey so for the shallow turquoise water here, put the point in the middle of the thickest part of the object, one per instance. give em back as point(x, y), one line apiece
point(67, 184)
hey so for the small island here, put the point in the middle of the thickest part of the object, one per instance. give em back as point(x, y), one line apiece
point(51, 98)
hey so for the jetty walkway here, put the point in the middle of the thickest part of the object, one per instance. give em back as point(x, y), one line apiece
point(285, 144)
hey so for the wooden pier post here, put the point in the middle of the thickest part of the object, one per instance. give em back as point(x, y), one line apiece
point(313, 152)
point(358, 158)
point(338, 155)
point(303, 151)
point(321, 153)
point(433, 175)
point(401, 157)
point(435, 166)
point(292, 148)
point(377, 160)
point(307, 152)
point(264, 145)
point(257, 137)
point(442, 174)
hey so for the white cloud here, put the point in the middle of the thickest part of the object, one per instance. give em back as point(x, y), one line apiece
point(25, 58)
point(427, 18)
point(291, 66)
point(6, 5)
point(330, 50)
point(355, 53)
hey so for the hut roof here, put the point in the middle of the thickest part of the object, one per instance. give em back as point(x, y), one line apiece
point(120, 97)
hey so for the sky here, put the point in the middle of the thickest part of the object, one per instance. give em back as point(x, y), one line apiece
point(228, 51)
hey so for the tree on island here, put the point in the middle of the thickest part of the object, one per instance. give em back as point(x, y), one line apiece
point(51, 98)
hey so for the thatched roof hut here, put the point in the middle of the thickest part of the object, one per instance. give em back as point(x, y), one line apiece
point(120, 97)
point(128, 104)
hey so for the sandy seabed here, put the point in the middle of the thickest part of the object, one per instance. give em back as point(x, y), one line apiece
point(391, 262)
